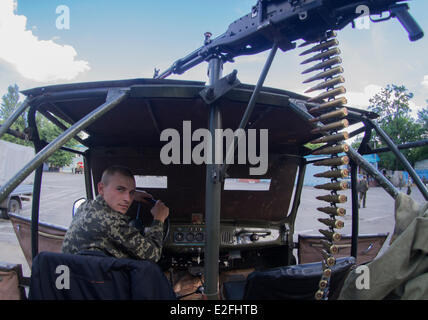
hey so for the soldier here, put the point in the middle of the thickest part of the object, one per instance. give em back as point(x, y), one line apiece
point(362, 188)
point(409, 186)
point(102, 224)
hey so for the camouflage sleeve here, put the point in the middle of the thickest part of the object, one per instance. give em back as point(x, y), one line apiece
point(147, 247)
point(155, 229)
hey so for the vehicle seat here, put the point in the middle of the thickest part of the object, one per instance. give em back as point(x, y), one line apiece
point(295, 282)
point(12, 282)
point(58, 276)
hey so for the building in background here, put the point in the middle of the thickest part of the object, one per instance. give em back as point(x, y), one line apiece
point(77, 165)
point(421, 168)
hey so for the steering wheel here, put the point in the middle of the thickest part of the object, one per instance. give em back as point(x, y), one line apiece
point(139, 223)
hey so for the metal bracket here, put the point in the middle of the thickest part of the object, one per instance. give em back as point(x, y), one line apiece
point(222, 86)
point(364, 147)
point(113, 93)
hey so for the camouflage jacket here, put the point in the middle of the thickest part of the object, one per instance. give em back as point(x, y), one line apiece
point(96, 226)
point(362, 185)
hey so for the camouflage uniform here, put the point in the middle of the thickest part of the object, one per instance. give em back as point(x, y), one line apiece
point(362, 188)
point(96, 226)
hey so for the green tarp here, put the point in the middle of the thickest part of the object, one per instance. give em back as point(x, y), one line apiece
point(402, 271)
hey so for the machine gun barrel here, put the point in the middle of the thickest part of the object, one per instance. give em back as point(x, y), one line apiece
point(181, 65)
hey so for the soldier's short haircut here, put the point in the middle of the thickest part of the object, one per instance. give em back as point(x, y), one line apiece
point(110, 171)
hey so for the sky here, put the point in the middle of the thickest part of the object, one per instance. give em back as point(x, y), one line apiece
point(47, 42)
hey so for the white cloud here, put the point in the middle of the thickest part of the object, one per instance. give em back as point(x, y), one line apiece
point(424, 82)
point(361, 99)
point(38, 60)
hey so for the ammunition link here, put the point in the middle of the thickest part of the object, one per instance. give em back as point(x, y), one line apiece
point(329, 115)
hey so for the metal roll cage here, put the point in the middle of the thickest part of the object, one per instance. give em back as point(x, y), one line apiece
point(215, 174)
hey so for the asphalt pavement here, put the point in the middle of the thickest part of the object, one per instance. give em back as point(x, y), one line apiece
point(60, 190)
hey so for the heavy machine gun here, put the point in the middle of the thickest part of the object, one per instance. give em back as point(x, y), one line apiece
point(285, 21)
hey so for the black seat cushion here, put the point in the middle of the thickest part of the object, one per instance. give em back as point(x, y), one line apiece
point(297, 282)
point(97, 277)
point(234, 290)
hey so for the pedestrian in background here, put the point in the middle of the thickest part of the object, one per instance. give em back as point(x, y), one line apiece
point(362, 187)
point(409, 186)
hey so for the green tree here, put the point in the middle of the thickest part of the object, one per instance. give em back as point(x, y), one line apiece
point(313, 146)
point(422, 152)
point(423, 118)
point(48, 133)
point(10, 101)
point(392, 105)
point(47, 130)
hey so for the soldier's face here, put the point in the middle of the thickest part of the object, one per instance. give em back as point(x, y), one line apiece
point(118, 192)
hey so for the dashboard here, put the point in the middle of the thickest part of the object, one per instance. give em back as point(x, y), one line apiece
point(190, 238)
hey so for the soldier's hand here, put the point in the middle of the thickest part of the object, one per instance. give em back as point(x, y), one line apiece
point(141, 196)
point(160, 211)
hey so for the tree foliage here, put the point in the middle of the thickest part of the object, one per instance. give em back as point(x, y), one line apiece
point(423, 119)
point(422, 153)
point(47, 130)
point(9, 103)
point(392, 105)
point(313, 146)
